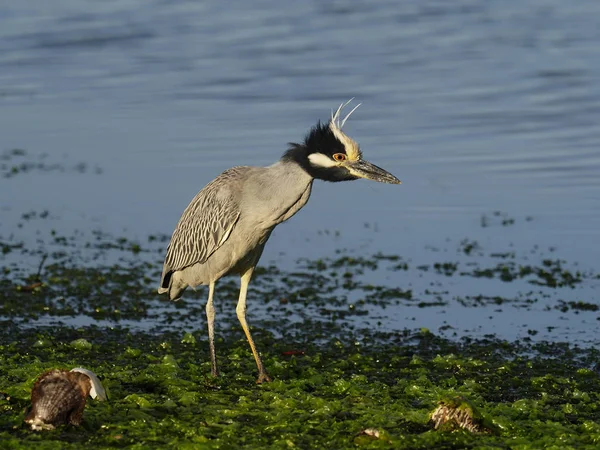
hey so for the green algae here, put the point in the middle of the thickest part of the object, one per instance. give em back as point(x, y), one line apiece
point(161, 396)
point(335, 385)
point(19, 162)
point(70, 281)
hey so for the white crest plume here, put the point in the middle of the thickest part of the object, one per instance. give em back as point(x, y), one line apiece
point(335, 118)
point(352, 149)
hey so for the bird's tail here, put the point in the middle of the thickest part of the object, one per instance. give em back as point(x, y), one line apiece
point(173, 287)
point(162, 290)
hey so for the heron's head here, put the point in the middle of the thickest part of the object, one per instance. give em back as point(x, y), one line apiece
point(329, 154)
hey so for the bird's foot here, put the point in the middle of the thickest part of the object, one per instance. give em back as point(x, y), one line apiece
point(263, 377)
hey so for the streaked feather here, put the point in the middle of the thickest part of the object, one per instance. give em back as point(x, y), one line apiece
point(205, 224)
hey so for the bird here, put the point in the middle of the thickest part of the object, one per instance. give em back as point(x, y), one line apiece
point(224, 229)
point(58, 397)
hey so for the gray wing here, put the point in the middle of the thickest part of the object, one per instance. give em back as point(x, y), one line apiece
point(205, 224)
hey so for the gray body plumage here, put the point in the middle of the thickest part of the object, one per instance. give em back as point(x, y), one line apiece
point(225, 227)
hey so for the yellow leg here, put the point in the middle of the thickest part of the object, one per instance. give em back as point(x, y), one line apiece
point(241, 314)
point(210, 316)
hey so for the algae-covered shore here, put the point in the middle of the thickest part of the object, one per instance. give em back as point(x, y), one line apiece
point(343, 379)
point(458, 310)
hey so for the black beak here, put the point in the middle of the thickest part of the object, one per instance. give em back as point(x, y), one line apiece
point(364, 169)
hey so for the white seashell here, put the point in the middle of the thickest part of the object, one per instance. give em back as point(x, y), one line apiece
point(97, 391)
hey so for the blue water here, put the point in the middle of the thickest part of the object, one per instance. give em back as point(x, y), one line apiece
point(476, 106)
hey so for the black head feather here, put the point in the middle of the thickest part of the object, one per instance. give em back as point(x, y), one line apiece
point(320, 139)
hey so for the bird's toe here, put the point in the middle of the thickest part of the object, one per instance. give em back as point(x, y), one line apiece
point(263, 378)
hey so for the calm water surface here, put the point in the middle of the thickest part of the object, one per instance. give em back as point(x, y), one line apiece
point(476, 106)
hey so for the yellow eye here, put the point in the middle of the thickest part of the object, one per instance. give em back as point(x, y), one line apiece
point(339, 157)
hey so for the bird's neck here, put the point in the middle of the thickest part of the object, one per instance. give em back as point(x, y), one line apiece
point(293, 165)
point(282, 190)
point(298, 155)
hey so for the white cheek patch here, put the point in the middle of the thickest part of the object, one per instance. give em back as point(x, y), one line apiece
point(321, 160)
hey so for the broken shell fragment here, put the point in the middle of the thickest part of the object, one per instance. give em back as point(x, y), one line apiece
point(97, 390)
point(458, 412)
point(58, 397)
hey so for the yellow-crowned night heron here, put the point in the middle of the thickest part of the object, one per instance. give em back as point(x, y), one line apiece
point(226, 226)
